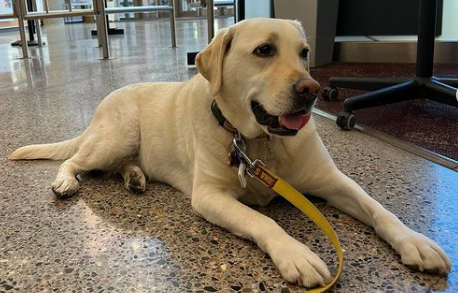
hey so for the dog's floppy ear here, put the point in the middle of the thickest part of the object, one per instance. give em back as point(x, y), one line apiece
point(210, 61)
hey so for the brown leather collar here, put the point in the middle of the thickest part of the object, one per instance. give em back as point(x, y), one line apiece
point(223, 122)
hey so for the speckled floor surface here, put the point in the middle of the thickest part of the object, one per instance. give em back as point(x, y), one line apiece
point(105, 239)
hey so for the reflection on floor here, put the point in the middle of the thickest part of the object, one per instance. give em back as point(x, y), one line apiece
point(107, 240)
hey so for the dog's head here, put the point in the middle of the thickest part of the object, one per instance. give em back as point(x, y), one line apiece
point(258, 73)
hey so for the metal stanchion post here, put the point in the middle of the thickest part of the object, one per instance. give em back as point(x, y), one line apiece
point(46, 5)
point(99, 37)
point(19, 11)
point(38, 28)
point(210, 19)
point(102, 28)
point(172, 23)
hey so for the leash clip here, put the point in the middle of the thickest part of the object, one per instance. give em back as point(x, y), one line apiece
point(253, 166)
point(246, 166)
point(239, 147)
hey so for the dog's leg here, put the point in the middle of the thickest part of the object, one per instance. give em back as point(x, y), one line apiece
point(415, 249)
point(134, 179)
point(295, 261)
point(66, 183)
point(98, 152)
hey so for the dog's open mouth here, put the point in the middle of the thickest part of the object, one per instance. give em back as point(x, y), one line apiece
point(286, 124)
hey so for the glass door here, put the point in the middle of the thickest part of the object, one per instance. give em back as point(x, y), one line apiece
point(196, 8)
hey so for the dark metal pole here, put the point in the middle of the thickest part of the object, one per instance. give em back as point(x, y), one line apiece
point(102, 29)
point(235, 10)
point(210, 20)
point(20, 10)
point(30, 23)
point(426, 37)
point(240, 10)
point(173, 29)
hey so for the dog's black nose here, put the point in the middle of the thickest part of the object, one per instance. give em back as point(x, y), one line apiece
point(307, 88)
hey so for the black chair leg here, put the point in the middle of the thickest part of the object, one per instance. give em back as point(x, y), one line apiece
point(443, 93)
point(450, 81)
point(365, 83)
point(389, 95)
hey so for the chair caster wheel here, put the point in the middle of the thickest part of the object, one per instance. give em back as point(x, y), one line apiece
point(346, 120)
point(330, 93)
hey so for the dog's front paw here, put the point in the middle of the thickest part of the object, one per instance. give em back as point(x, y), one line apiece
point(65, 186)
point(421, 253)
point(298, 264)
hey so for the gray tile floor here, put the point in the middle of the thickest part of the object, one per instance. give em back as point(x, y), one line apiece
point(105, 239)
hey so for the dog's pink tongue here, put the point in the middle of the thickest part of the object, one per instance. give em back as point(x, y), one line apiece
point(294, 121)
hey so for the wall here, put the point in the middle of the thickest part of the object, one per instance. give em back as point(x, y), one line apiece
point(450, 20)
point(257, 8)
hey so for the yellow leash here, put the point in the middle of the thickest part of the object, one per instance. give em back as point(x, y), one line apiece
point(272, 181)
point(257, 169)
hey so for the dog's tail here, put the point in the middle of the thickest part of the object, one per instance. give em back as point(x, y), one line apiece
point(51, 151)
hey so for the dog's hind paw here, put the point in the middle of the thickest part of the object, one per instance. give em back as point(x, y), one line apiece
point(135, 181)
point(421, 253)
point(65, 186)
point(298, 264)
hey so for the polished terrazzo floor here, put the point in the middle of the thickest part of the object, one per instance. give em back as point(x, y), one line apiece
point(105, 239)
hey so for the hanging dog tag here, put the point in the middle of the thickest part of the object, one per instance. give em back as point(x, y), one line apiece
point(234, 158)
point(242, 175)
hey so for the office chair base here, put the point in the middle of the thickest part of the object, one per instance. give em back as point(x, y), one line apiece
point(393, 90)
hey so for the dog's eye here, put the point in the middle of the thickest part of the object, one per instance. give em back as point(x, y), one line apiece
point(304, 54)
point(265, 50)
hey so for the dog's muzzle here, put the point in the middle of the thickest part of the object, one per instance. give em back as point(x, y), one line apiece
point(305, 92)
point(285, 125)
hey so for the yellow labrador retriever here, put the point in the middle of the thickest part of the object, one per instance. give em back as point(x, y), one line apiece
point(256, 72)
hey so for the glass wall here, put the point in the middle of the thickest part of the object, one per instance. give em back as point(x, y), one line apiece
point(195, 8)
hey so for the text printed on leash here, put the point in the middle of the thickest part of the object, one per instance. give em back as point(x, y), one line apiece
point(265, 177)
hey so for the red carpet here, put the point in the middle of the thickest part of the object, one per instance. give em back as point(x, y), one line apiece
point(427, 124)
